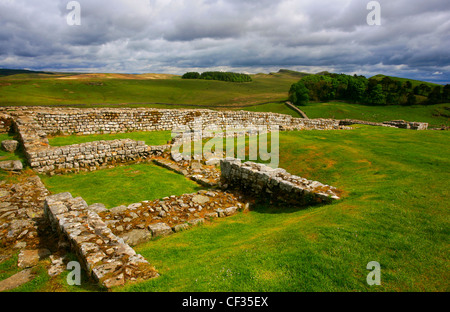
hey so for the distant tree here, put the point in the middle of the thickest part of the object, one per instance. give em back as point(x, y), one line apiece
point(222, 76)
point(408, 85)
point(356, 89)
point(446, 94)
point(377, 96)
point(435, 96)
point(226, 76)
point(422, 89)
point(299, 94)
point(411, 99)
point(386, 82)
point(191, 75)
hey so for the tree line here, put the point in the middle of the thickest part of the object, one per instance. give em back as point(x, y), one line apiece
point(358, 89)
point(222, 76)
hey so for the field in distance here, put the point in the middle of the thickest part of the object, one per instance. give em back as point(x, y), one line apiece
point(265, 93)
point(148, 90)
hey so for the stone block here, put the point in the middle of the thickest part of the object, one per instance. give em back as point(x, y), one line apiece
point(160, 229)
point(11, 165)
point(10, 145)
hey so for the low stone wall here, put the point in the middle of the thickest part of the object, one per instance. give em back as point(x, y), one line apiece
point(114, 120)
point(106, 258)
point(407, 125)
point(274, 184)
point(394, 124)
point(298, 110)
point(90, 156)
point(34, 125)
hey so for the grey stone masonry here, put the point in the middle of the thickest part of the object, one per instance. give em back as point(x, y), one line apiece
point(35, 124)
point(90, 156)
point(106, 257)
point(115, 120)
point(393, 124)
point(407, 125)
point(275, 184)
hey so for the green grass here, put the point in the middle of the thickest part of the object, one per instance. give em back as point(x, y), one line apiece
point(150, 138)
point(203, 93)
point(174, 92)
point(435, 115)
point(279, 107)
point(122, 185)
point(42, 282)
point(394, 211)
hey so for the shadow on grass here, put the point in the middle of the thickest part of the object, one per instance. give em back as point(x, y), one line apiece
point(280, 208)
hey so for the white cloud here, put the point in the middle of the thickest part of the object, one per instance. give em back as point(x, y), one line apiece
point(243, 35)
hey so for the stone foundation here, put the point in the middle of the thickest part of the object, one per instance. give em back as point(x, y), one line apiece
point(106, 258)
point(274, 184)
point(393, 124)
point(91, 156)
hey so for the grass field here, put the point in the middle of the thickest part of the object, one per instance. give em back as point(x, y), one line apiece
point(138, 92)
point(266, 93)
point(150, 138)
point(395, 211)
point(435, 115)
point(122, 185)
point(278, 107)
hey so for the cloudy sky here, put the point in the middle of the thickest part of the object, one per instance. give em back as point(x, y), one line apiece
point(164, 36)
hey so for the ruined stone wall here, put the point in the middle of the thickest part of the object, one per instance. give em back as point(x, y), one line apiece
point(91, 156)
point(407, 125)
point(393, 124)
point(274, 184)
point(35, 124)
point(44, 158)
point(106, 257)
point(110, 120)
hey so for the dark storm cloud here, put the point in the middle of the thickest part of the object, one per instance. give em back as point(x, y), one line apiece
point(251, 36)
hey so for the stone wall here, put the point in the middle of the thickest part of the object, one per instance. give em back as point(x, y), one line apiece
point(393, 124)
point(34, 125)
point(407, 125)
point(274, 184)
point(44, 158)
point(114, 120)
point(106, 257)
point(91, 156)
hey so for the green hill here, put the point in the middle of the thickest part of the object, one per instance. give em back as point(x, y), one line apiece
point(138, 90)
point(414, 83)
